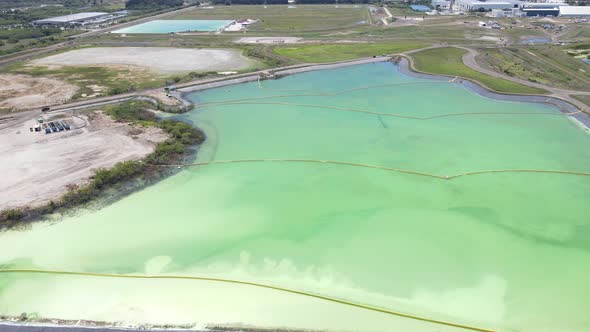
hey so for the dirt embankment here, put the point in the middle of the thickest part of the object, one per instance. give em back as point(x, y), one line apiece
point(24, 92)
point(37, 167)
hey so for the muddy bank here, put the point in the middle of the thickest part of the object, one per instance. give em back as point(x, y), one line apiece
point(60, 325)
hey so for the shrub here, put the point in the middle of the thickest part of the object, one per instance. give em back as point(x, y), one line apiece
point(131, 111)
point(11, 215)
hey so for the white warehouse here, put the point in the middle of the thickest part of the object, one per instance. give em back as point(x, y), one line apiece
point(482, 5)
point(574, 11)
point(79, 19)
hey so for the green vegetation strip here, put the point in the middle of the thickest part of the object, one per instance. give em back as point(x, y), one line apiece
point(385, 168)
point(232, 281)
point(341, 52)
point(584, 99)
point(449, 61)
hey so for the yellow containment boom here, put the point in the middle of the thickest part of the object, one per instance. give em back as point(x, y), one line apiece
point(248, 283)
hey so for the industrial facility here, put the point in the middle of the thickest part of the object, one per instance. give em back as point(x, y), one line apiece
point(478, 5)
point(502, 8)
point(81, 19)
point(574, 11)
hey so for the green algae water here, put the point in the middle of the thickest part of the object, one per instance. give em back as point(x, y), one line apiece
point(505, 251)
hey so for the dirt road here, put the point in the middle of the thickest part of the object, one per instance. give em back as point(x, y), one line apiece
point(469, 59)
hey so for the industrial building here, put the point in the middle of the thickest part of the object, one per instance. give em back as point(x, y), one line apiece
point(545, 11)
point(575, 11)
point(441, 4)
point(482, 5)
point(89, 18)
point(543, 4)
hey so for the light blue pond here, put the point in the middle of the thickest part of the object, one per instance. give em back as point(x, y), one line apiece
point(537, 40)
point(168, 26)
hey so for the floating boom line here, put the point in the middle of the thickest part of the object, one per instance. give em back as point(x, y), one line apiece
point(358, 110)
point(312, 93)
point(248, 283)
point(379, 167)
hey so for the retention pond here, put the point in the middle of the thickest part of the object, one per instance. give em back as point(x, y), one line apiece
point(170, 26)
point(506, 251)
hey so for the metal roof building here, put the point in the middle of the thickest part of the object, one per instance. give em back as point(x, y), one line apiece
point(477, 5)
point(420, 8)
point(543, 4)
point(76, 19)
point(545, 11)
point(574, 11)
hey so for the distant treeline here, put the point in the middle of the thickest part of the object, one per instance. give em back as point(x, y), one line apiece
point(153, 4)
point(314, 2)
point(284, 2)
point(15, 35)
point(33, 37)
point(250, 2)
point(37, 3)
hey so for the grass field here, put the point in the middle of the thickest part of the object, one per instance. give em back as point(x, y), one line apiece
point(448, 61)
point(403, 10)
point(525, 64)
point(340, 52)
point(97, 81)
point(419, 31)
point(279, 18)
point(584, 99)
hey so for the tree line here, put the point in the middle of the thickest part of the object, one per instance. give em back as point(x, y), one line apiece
point(284, 2)
point(250, 2)
point(153, 4)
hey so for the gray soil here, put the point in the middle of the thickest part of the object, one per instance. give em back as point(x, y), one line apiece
point(157, 59)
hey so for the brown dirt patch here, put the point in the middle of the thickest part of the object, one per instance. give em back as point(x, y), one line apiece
point(162, 97)
point(19, 92)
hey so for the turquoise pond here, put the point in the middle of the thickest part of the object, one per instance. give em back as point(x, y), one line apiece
point(168, 26)
point(505, 251)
